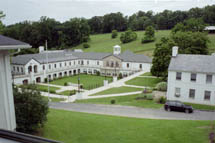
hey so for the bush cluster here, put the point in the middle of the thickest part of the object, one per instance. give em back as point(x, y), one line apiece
point(86, 45)
point(128, 36)
point(162, 86)
point(31, 109)
point(114, 34)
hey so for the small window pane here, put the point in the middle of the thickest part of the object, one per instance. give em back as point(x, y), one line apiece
point(192, 93)
point(209, 78)
point(178, 75)
point(177, 92)
point(193, 77)
point(207, 95)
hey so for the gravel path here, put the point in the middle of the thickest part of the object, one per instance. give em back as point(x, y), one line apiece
point(128, 111)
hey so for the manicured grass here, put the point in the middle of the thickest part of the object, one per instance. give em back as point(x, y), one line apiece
point(122, 89)
point(74, 127)
point(202, 107)
point(45, 88)
point(144, 81)
point(88, 81)
point(147, 74)
point(129, 100)
point(104, 43)
point(66, 93)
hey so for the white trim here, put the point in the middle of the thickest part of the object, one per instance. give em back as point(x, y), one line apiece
point(10, 47)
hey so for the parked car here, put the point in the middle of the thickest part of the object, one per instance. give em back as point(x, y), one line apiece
point(177, 106)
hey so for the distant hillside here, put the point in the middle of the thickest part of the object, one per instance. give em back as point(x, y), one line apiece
point(104, 43)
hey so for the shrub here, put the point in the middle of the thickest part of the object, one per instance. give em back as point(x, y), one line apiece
point(161, 100)
point(114, 34)
point(149, 35)
point(120, 76)
point(162, 86)
point(45, 80)
point(128, 36)
point(113, 101)
point(145, 97)
point(31, 109)
point(73, 92)
point(85, 45)
point(65, 84)
point(98, 73)
point(52, 91)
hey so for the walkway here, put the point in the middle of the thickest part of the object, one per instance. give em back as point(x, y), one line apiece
point(128, 111)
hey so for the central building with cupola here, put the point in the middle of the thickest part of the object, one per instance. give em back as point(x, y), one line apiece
point(35, 68)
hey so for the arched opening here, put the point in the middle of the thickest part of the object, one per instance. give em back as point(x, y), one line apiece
point(29, 69)
point(60, 74)
point(70, 72)
point(25, 82)
point(74, 71)
point(55, 76)
point(65, 73)
point(38, 79)
point(35, 69)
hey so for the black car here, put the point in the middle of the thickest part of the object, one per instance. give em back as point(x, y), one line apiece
point(177, 106)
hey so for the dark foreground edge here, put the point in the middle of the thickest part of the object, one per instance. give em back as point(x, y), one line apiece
point(23, 138)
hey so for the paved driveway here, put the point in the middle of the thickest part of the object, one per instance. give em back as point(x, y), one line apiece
point(128, 111)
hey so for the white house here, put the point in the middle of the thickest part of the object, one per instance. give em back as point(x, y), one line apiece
point(191, 78)
point(7, 113)
point(34, 68)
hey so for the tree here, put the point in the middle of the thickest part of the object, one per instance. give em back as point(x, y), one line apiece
point(2, 15)
point(149, 35)
point(31, 109)
point(96, 24)
point(114, 34)
point(128, 36)
point(162, 56)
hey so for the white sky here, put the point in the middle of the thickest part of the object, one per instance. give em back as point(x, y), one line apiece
point(62, 10)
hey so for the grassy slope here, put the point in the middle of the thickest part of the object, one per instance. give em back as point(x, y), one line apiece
point(104, 43)
point(129, 100)
point(144, 81)
point(45, 88)
point(74, 127)
point(115, 90)
point(86, 80)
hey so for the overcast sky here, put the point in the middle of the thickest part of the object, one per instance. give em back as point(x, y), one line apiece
point(62, 10)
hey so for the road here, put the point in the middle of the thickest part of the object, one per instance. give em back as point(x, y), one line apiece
point(136, 112)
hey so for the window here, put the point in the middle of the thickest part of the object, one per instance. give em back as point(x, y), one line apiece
point(207, 95)
point(178, 75)
point(127, 65)
point(192, 93)
point(79, 62)
point(74, 62)
point(82, 62)
point(60, 65)
point(97, 62)
point(88, 62)
point(18, 69)
point(44, 67)
point(70, 63)
point(22, 70)
point(112, 64)
point(140, 66)
point(49, 66)
point(55, 66)
point(193, 77)
point(117, 64)
point(209, 78)
point(177, 92)
point(107, 63)
point(65, 63)
point(14, 68)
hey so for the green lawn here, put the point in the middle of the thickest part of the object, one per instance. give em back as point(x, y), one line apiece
point(43, 88)
point(88, 81)
point(144, 81)
point(74, 127)
point(201, 107)
point(104, 43)
point(147, 74)
point(129, 100)
point(115, 90)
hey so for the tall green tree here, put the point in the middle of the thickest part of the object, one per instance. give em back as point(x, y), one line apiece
point(2, 15)
point(149, 35)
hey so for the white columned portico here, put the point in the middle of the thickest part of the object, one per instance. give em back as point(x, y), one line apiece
point(7, 119)
point(7, 111)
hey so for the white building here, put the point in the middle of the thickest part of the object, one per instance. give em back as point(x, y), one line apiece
point(34, 68)
point(7, 113)
point(191, 78)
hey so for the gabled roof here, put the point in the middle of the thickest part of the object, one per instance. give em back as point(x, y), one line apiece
point(193, 63)
point(129, 56)
point(58, 56)
point(7, 43)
